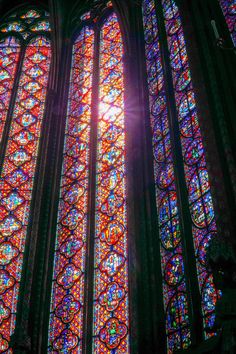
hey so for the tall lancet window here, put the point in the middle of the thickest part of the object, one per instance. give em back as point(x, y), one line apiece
point(229, 11)
point(25, 49)
point(90, 279)
point(179, 165)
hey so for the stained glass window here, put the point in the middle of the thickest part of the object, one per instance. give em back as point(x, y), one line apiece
point(41, 26)
point(9, 57)
point(17, 175)
point(66, 321)
point(196, 175)
point(199, 195)
point(229, 11)
point(110, 304)
point(25, 24)
point(111, 274)
point(174, 283)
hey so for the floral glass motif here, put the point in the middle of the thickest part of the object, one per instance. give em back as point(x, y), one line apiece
point(174, 284)
point(30, 22)
point(17, 177)
point(41, 26)
point(111, 320)
point(67, 304)
point(13, 26)
point(31, 14)
point(229, 11)
point(9, 57)
point(196, 175)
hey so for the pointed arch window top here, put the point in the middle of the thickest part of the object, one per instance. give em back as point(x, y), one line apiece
point(26, 23)
point(97, 9)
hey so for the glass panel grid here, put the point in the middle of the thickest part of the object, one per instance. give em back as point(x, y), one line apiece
point(9, 57)
point(174, 285)
point(29, 22)
point(111, 319)
point(17, 177)
point(67, 299)
point(196, 175)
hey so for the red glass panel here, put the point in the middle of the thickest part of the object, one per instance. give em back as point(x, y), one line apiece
point(9, 57)
point(111, 319)
point(67, 301)
point(17, 177)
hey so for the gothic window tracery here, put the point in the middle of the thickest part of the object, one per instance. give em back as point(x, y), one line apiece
point(92, 209)
point(23, 47)
point(173, 238)
point(90, 275)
